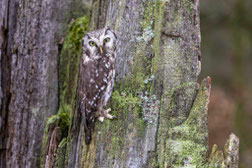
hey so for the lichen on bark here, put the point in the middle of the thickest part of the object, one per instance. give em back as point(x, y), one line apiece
point(228, 158)
point(187, 142)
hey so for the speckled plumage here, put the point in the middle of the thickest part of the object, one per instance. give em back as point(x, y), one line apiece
point(96, 77)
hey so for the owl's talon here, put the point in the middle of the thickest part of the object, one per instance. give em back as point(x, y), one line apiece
point(109, 116)
point(105, 114)
point(101, 119)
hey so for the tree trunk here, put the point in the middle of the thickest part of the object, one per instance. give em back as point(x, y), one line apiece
point(161, 111)
point(30, 34)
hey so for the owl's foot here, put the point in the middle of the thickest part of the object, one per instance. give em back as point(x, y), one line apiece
point(101, 119)
point(105, 115)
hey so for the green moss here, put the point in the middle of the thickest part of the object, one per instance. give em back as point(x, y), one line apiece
point(198, 111)
point(52, 121)
point(61, 119)
point(60, 156)
point(68, 69)
point(188, 4)
point(64, 115)
point(158, 16)
point(148, 14)
point(216, 159)
point(68, 73)
point(69, 60)
point(186, 145)
point(123, 100)
point(185, 153)
point(44, 149)
point(154, 163)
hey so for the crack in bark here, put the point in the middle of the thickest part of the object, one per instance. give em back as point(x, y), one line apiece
point(5, 86)
point(173, 36)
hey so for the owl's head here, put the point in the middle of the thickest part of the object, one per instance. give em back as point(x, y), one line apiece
point(96, 43)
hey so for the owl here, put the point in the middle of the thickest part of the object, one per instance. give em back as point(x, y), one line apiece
point(96, 77)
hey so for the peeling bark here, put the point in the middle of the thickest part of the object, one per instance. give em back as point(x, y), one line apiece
point(52, 148)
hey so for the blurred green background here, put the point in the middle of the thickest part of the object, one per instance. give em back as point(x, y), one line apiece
point(226, 50)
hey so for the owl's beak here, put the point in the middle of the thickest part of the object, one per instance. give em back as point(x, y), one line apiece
point(101, 51)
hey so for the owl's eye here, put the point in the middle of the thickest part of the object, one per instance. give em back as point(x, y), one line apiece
point(91, 43)
point(106, 40)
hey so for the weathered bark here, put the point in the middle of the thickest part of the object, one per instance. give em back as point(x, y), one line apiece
point(30, 34)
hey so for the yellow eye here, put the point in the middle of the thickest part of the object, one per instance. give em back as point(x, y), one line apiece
point(106, 40)
point(91, 43)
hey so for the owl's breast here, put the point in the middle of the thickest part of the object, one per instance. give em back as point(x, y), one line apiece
point(97, 78)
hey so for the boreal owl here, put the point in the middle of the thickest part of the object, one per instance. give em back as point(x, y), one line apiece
point(96, 77)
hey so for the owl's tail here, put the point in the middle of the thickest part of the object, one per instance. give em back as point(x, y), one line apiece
point(88, 136)
point(87, 130)
point(87, 126)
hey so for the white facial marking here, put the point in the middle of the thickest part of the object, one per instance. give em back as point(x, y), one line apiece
point(112, 38)
point(86, 60)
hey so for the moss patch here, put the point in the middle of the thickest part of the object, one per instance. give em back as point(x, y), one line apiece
point(69, 60)
point(128, 124)
point(68, 73)
point(158, 16)
point(187, 142)
point(216, 159)
point(60, 156)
